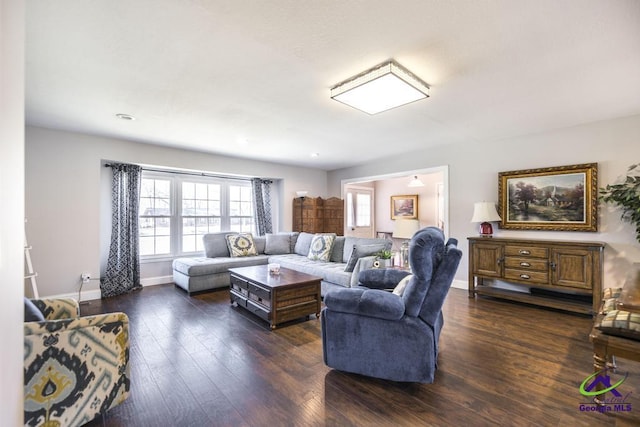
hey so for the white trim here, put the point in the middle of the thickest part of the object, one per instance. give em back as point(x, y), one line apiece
point(159, 280)
point(460, 284)
point(94, 294)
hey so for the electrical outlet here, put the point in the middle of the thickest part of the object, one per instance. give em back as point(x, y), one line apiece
point(85, 277)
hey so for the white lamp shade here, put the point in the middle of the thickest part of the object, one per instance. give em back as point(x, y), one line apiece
point(485, 212)
point(301, 193)
point(405, 228)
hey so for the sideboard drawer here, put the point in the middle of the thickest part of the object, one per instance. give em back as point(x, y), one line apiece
point(526, 263)
point(526, 251)
point(524, 276)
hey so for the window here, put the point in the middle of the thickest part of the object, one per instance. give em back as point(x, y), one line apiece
point(201, 213)
point(155, 216)
point(176, 210)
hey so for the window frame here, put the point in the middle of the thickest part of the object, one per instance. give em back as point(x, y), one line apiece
point(176, 180)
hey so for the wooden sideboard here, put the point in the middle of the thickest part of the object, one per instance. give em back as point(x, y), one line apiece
point(565, 275)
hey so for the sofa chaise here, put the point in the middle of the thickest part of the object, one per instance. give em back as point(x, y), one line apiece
point(348, 256)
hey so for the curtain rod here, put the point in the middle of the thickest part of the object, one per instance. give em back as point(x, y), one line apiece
point(108, 165)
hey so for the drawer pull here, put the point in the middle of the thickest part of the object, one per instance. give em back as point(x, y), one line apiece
point(525, 264)
point(524, 252)
point(525, 276)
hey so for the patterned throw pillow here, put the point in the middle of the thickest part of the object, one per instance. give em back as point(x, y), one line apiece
point(241, 245)
point(320, 249)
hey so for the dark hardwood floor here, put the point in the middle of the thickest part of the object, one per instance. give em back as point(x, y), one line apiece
point(198, 361)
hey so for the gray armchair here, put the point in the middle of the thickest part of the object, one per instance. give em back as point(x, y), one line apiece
point(379, 334)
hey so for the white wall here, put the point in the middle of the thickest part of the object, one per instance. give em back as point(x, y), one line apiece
point(67, 198)
point(473, 176)
point(12, 212)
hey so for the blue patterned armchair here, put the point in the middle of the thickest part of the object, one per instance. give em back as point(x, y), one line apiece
point(381, 334)
point(75, 368)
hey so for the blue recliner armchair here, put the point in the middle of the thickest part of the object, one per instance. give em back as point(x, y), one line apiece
point(379, 334)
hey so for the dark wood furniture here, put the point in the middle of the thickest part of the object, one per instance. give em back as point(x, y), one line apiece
point(558, 274)
point(318, 215)
point(275, 298)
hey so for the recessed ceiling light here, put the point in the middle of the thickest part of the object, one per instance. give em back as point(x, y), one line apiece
point(315, 154)
point(125, 116)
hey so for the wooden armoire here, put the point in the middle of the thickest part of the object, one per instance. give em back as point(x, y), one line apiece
point(318, 215)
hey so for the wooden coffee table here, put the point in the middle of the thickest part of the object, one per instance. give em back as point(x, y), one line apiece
point(275, 298)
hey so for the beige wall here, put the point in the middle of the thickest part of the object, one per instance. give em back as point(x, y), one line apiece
point(68, 205)
point(12, 213)
point(473, 176)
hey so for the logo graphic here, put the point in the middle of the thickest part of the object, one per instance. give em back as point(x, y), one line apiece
point(596, 385)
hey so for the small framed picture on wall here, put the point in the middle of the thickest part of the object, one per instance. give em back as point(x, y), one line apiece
point(404, 207)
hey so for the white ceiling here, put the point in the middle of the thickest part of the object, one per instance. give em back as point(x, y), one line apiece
point(251, 78)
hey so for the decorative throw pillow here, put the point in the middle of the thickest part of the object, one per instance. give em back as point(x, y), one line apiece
point(241, 245)
point(360, 251)
point(278, 244)
point(320, 249)
point(31, 312)
point(399, 289)
point(610, 299)
point(621, 323)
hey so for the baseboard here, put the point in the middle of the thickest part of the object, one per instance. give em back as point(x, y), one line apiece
point(460, 284)
point(88, 295)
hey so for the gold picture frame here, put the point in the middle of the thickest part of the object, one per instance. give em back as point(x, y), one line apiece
point(404, 207)
point(562, 198)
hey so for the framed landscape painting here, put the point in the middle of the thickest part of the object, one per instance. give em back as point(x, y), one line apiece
point(404, 207)
point(562, 198)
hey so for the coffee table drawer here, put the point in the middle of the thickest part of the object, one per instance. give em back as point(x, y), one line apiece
point(237, 282)
point(258, 311)
point(238, 298)
point(259, 291)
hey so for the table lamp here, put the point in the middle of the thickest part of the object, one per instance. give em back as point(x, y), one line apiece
point(405, 229)
point(484, 212)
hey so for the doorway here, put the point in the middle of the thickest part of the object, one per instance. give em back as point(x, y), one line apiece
point(433, 198)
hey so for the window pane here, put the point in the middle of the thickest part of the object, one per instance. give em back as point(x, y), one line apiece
point(189, 243)
point(163, 188)
point(201, 191)
point(188, 207)
point(214, 225)
point(201, 207)
point(363, 210)
point(147, 246)
point(214, 208)
point(234, 192)
point(163, 245)
point(349, 210)
point(214, 191)
point(188, 190)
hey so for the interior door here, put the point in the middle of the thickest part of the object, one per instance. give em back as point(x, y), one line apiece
point(359, 211)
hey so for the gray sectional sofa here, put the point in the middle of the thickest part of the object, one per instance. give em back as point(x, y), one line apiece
point(290, 250)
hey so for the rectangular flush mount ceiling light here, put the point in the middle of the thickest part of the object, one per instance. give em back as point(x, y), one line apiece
point(381, 88)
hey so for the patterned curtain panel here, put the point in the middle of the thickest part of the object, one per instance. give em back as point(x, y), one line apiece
point(122, 274)
point(262, 199)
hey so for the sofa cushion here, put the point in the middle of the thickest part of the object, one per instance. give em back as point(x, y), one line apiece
point(303, 243)
point(329, 271)
point(360, 251)
point(241, 244)
point(621, 323)
point(278, 244)
point(261, 243)
point(215, 245)
point(202, 266)
point(31, 312)
point(350, 242)
point(338, 248)
point(320, 249)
